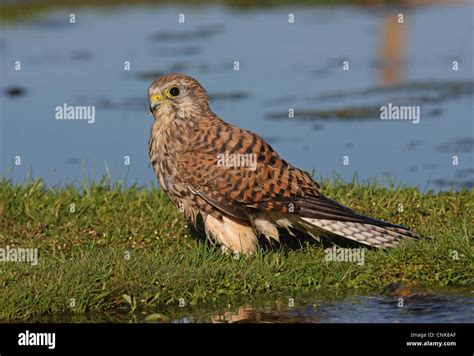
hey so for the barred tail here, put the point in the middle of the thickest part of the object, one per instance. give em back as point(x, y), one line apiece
point(368, 234)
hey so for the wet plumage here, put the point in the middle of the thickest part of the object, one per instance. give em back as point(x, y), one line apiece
point(235, 180)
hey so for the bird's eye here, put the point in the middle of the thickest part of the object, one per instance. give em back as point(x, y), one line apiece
point(173, 92)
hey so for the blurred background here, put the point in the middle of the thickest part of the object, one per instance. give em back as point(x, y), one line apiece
point(334, 63)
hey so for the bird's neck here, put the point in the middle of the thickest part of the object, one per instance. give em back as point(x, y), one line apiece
point(170, 131)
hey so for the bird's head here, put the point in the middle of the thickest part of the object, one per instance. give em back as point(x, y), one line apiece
point(177, 94)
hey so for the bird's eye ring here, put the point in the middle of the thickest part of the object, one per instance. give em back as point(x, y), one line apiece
point(173, 92)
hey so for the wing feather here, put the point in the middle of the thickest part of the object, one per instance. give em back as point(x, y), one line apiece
point(274, 185)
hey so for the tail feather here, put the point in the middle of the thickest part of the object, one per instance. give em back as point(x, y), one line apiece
point(367, 234)
point(370, 232)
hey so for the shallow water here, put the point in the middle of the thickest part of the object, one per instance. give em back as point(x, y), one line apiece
point(282, 66)
point(438, 306)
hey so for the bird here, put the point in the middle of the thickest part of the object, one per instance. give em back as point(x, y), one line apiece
point(240, 187)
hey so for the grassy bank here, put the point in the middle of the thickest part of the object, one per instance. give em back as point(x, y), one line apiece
point(108, 248)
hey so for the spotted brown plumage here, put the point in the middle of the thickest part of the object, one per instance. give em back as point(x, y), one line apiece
point(236, 181)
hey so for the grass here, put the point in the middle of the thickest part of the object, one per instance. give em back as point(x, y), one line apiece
point(129, 249)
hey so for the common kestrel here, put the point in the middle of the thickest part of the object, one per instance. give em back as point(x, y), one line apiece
point(236, 182)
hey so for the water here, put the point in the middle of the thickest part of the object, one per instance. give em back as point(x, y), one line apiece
point(360, 309)
point(282, 66)
point(435, 306)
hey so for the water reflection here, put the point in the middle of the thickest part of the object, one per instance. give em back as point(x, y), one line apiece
point(414, 307)
point(447, 305)
point(246, 313)
point(392, 47)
